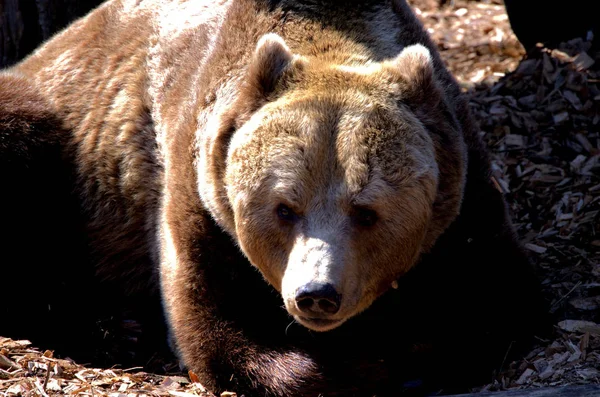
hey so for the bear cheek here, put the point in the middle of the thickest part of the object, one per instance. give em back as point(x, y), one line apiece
point(375, 269)
point(383, 264)
point(263, 243)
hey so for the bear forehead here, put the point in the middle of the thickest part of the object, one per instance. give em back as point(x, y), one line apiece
point(347, 139)
point(355, 104)
point(372, 79)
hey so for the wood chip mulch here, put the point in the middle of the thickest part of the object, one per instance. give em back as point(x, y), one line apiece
point(27, 371)
point(474, 37)
point(539, 113)
point(541, 123)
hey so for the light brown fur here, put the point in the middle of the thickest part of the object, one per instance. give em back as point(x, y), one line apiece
point(192, 122)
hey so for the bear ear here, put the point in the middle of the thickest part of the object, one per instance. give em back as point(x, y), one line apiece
point(413, 70)
point(271, 59)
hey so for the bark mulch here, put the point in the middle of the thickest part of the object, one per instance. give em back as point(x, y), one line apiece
point(539, 114)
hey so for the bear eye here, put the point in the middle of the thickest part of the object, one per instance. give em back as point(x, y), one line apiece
point(364, 216)
point(286, 213)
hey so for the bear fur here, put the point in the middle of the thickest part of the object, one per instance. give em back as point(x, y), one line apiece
point(228, 156)
point(47, 264)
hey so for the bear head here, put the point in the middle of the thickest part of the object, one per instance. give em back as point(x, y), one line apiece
point(330, 176)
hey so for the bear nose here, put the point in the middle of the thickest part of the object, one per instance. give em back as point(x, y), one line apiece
point(318, 298)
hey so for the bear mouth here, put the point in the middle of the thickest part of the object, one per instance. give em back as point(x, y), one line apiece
point(319, 324)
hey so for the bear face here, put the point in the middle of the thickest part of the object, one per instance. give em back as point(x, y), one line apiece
point(332, 162)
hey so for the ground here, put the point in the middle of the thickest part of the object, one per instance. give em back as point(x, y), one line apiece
point(540, 115)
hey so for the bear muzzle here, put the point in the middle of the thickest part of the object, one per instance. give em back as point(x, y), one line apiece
point(317, 285)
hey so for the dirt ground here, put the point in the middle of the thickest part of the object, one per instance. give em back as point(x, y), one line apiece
point(539, 113)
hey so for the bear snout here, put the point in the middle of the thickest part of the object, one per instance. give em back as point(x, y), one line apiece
point(318, 299)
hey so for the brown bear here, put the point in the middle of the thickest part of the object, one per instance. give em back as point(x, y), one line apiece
point(302, 180)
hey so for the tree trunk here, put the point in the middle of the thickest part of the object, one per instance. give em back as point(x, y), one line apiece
point(24, 24)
